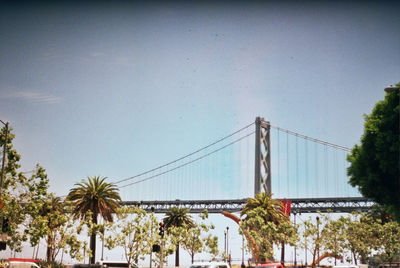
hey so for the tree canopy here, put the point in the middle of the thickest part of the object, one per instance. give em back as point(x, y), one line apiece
point(177, 217)
point(375, 164)
point(98, 198)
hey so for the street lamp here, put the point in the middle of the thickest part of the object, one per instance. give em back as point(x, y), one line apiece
point(295, 253)
point(318, 240)
point(151, 234)
point(243, 253)
point(227, 241)
point(2, 165)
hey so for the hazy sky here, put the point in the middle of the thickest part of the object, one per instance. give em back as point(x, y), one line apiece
point(116, 89)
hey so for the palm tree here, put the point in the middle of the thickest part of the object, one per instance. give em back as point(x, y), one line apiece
point(272, 208)
point(178, 217)
point(98, 197)
point(270, 205)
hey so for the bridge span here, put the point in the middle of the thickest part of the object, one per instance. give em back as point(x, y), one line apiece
point(299, 205)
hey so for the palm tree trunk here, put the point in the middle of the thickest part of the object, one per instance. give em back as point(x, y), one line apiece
point(283, 254)
point(49, 251)
point(177, 255)
point(92, 259)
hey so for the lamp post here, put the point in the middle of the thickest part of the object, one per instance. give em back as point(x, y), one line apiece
point(225, 244)
point(151, 235)
point(242, 252)
point(295, 259)
point(227, 241)
point(2, 164)
point(318, 240)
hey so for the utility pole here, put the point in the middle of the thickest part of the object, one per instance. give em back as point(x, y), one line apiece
point(3, 162)
point(151, 235)
point(162, 253)
point(295, 253)
point(318, 241)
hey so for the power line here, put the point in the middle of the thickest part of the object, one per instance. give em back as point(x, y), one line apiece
point(186, 156)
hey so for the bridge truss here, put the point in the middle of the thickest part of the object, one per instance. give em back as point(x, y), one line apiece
point(299, 205)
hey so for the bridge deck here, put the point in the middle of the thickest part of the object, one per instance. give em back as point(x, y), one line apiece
point(299, 205)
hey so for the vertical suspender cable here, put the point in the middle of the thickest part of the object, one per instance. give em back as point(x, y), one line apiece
point(279, 174)
point(306, 167)
point(335, 168)
point(326, 170)
point(248, 176)
point(297, 169)
point(316, 171)
point(287, 164)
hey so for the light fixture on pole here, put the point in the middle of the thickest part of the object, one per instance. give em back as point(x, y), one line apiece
point(227, 240)
point(318, 240)
point(225, 244)
point(243, 266)
point(295, 253)
point(151, 234)
point(3, 162)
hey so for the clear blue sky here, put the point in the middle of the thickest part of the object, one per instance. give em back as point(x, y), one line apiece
point(114, 89)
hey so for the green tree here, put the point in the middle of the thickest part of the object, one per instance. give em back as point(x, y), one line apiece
point(197, 238)
point(97, 197)
point(266, 225)
point(271, 207)
point(177, 217)
point(334, 236)
point(375, 164)
point(361, 233)
point(132, 232)
point(21, 194)
point(389, 241)
point(50, 217)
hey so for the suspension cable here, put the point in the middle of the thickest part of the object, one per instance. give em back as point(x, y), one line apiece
point(312, 139)
point(187, 163)
point(186, 156)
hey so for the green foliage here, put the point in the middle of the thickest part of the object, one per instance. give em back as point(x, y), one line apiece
point(196, 239)
point(21, 194)
point(374, 164)
point(135, 232)
point(33, 212)
point(334, 236)
point(358, 234)
point(97, 197)
point(389, 241)
point(266, 225)
point(51, 264)
point(177, 217)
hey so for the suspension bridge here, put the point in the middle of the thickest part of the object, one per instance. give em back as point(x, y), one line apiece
point(222, 175)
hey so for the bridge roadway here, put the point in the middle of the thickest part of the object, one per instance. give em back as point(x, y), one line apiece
point(299, 205)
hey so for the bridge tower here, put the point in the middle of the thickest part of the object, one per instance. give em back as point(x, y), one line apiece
point(262, 167)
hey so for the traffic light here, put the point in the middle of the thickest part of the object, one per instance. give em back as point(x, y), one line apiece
point(5, 227)
point(161, 229)
point(156, 248)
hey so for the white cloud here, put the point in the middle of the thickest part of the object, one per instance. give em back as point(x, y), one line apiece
point(31, 96)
